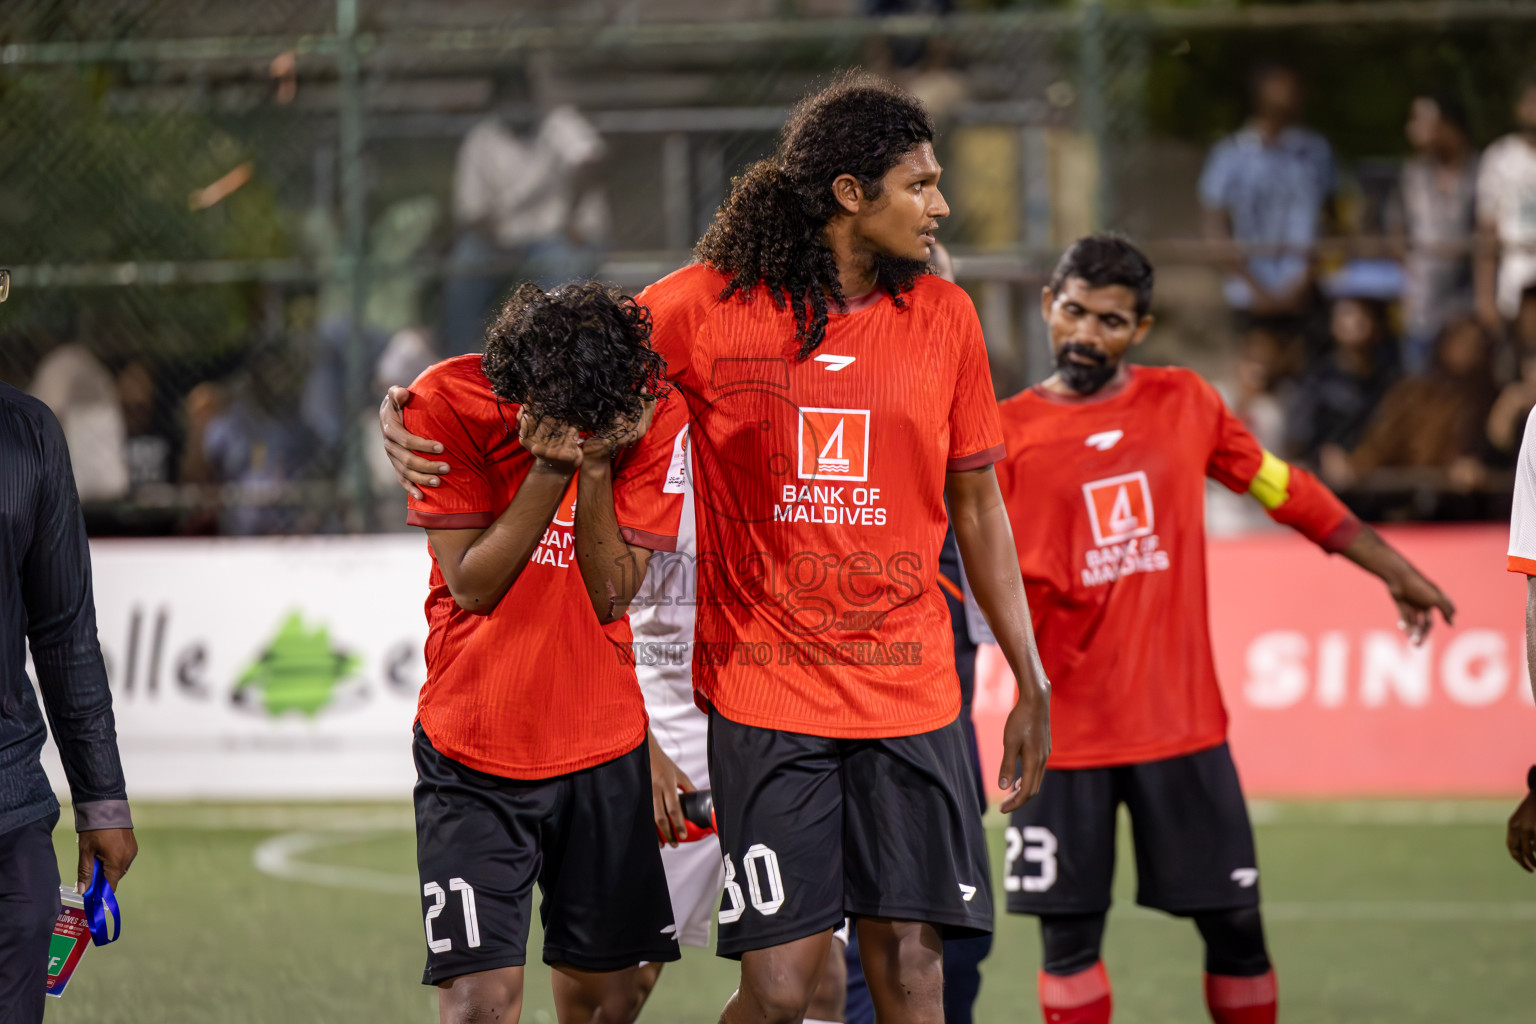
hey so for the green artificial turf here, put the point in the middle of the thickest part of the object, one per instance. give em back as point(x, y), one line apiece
point(1377, 912)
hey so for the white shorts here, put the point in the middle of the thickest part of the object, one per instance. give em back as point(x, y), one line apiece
point(695, 872)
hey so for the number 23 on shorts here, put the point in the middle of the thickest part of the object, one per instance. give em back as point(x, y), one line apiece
point(1033, 844)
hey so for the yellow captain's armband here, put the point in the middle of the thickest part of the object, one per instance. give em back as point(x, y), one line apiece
point(1271, 485)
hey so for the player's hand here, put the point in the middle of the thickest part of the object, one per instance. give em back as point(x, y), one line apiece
point(627, 432)
point(1026, 746)
point(400, 445)
point(667, 780)
point(1521, 837)
point(1416, 599)
point(555, 444)
point(116, 848)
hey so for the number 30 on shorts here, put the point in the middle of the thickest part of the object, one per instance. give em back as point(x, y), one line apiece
point(761, 866)
point(1033, 844)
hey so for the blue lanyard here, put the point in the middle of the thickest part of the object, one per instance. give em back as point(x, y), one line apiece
point(99, 898)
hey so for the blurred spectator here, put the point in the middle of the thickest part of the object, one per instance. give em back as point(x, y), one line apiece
point(1506, 423)
point(408, 353)
point(1433, 420)
point(1337, 395)
point(78, 388)
point(1506, 215)
point(257, 442)
point(532, 201)
point(149, 446)
point(1269, 186)
point(1436, 208)
point(925, 66)
point(1250, 394)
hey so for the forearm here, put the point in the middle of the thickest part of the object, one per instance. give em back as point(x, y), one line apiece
point(79, 709)
point(610, 568)
point(71, 675)
point(492, 563)
point(1378, 558)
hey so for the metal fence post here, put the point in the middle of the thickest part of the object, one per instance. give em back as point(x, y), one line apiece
point(354, 260)
point(1093, 67)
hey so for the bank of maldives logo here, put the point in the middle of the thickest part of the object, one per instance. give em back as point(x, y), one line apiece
point(1120, 508)
point(834, 444)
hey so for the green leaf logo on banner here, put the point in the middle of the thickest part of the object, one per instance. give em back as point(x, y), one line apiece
point(299, 671)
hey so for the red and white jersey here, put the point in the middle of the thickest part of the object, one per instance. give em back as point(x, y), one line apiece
point(1106, 495)
point(820, 500)
point(1522, 518)
point(536, 687)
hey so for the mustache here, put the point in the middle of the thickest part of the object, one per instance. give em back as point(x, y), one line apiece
point(1075, 348)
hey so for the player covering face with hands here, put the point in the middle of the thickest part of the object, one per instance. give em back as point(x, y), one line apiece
point(530, 731)
point(825, 369)
point(1105, 477)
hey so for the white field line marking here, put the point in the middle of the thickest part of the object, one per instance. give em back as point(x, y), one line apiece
point(279, 857)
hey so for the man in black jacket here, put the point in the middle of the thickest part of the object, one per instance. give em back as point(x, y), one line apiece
point(45, 599)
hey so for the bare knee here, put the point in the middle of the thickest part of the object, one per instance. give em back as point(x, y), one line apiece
point(489, 997)
point(602, 997)
point(775, 1000)
point(830, 1001)
point(777, 983)
point(904, 967)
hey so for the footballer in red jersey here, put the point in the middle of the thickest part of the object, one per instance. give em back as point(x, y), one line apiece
point(530, 732)
point(839, 398)
point(1105, 478)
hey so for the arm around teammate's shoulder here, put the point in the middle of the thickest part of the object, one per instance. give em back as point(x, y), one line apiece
point(991, 564)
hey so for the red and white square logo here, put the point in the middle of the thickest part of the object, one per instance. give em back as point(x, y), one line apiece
point(1120, 508)
point(834, 444)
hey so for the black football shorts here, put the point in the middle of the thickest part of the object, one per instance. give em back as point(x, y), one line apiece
point(815, 829)
point(586, 838)
point(1189, 827)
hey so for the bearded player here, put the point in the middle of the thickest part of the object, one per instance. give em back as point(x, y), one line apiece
point(530, 733)
point(838, 394)
point(1105, 477)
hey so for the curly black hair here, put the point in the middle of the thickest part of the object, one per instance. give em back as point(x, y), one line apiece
point(580, 354)
point(769, 229)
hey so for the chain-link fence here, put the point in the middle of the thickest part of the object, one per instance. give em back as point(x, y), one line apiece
point(229, 226)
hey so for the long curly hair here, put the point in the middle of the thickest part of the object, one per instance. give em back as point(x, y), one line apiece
point(580, 354)
point(769, 229)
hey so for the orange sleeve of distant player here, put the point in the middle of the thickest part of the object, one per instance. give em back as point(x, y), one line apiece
point(1291, 495)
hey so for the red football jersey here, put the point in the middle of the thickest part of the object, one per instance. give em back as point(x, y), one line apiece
point(819, 489)
point(1107, 499)
point(537, 687)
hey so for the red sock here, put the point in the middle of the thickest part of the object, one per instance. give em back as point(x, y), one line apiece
point(1081, 998)
point(1242, 1000)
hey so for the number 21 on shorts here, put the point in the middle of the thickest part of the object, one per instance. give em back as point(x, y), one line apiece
point(1034, 845)
point(467, 902)
point(761, 867)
